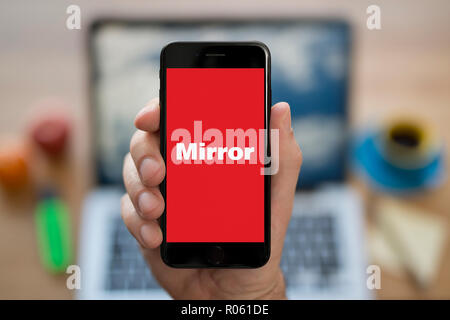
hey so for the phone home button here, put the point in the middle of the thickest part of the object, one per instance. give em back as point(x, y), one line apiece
point(215, 255)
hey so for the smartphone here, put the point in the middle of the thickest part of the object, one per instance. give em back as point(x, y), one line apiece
point(215, 100)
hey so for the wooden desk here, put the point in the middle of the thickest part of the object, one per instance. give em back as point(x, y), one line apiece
point(404, 67)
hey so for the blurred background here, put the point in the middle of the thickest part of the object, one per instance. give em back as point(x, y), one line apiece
point(371, 112)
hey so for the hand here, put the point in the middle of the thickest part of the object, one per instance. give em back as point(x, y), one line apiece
point(143, 204)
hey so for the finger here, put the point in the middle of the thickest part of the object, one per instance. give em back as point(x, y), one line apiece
point(148, 118)
point(285, 180)
point(148, 202)
point(147, 233)
point(144, 149)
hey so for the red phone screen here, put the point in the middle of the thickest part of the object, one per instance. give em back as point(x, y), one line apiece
point(214, 188)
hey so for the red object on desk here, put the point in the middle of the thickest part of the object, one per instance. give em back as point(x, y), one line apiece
point(51, 133)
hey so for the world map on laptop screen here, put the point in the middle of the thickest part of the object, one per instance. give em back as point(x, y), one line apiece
point(310, 70)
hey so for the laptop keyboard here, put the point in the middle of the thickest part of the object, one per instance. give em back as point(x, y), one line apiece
point(310, 256)
point(127, 268)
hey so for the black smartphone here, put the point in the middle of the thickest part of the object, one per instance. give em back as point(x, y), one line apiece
point(215, 102)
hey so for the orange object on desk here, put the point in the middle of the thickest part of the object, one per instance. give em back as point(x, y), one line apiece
point(14, 171)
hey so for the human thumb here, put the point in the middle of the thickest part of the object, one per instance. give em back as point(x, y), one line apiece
point(289, 159)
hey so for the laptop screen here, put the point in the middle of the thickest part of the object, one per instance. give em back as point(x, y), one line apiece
point(310, 70)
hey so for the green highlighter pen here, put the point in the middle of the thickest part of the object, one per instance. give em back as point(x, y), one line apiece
point(53, 233)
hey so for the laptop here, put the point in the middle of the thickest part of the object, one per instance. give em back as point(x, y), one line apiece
point(323, 256)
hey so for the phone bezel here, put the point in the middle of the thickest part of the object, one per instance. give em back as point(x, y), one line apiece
point(216, 55)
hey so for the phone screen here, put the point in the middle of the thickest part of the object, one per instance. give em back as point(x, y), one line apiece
point(215, 146)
